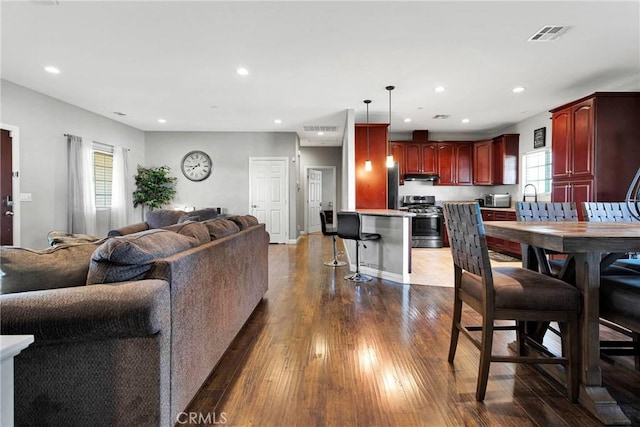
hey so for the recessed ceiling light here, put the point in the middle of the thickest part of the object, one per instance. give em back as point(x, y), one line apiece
point(242, 71)
point(465, 120)
point(320, 133)
point(277, 121)
point(407, 120)
point(51, 69)
point(162, 121)
point(518, 89)
point(439, 89)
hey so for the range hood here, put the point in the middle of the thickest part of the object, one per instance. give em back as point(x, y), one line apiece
point(421, 177)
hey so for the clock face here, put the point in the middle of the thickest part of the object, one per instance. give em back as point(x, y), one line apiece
point(197, 165)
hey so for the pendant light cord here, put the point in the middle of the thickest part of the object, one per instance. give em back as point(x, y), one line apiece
point(389, 88)
point(368, 101)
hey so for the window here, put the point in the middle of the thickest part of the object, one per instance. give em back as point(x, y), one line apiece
point(537, 170)
point(102, 175)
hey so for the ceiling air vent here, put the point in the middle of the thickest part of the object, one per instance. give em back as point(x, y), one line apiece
point(548, 33)
point(442, 116)
point(317, 128)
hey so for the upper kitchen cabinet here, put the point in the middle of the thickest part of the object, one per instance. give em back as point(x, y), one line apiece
point(397, 151)
point(594, 145)
point(454, 163)
point(421, 157)
point(495, 161)
point(371, 187)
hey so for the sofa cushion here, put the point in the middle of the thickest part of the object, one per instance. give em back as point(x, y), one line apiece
point(240, 220)
point(196, 230)
point(60, 267)
point(58, 238)
point(163, 217)
point(131, 257)
point(251, 220)
point(221, 227)
point(199, 215)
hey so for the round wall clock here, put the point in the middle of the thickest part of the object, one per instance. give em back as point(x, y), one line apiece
point(196, 165)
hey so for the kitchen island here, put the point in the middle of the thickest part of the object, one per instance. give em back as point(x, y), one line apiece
point(390, 257)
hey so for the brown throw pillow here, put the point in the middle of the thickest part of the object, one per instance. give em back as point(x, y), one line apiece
point(131, 257)
point(251, 220)
point(240, 220)
point(60, 267)
point(221, 227)
point(163, 217)
point(195, 230)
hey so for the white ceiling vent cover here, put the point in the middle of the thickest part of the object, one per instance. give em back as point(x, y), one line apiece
point(317, 128)
point(442, 116)
point(548, 33)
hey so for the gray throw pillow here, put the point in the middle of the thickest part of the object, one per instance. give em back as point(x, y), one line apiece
point(131, 257)
point(60, 267)
point(240, 220)
point(163, 217)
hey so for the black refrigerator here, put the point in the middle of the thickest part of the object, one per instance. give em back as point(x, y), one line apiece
point(393, 183)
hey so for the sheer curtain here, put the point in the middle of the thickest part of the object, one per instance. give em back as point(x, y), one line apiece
point(120, 193)
point(81, 216)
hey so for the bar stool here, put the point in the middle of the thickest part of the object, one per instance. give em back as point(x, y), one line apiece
point(333, 233)
point(350, 227)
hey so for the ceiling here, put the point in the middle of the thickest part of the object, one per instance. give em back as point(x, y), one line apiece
point(309, 62)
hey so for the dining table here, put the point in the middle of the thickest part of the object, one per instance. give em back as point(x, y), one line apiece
point(587, 242)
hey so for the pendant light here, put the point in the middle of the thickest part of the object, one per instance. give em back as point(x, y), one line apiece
point(390, 162)
point(367, 163)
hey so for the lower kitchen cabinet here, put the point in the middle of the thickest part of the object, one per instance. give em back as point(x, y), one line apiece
point(501, 245)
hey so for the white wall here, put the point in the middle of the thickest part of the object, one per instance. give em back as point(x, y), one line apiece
point(228, 185)
point(42, 123)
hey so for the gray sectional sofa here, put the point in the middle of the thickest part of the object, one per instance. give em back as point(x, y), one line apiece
point(129, 328)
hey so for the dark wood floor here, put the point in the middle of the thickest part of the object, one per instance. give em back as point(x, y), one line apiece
point(321, 351)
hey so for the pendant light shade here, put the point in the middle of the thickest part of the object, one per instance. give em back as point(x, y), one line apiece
point(390, 161)
point(367, 163)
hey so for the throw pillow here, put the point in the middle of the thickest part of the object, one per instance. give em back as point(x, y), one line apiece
point(57, 238)
point(199, 215)
point(131, 257)
point(219, 228)
point(195, 230)
point(163, 217)
point(60, 267)
point(240, 220)
point(251, 220)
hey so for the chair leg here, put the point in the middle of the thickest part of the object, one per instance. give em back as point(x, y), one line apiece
point(635, 336)
point(570, 349)
point(357, 277)
point(335, 262)
point(521, 337)
point(486, 348)
point(455, 326)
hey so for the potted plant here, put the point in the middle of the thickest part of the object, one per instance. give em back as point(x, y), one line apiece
point(154, 187)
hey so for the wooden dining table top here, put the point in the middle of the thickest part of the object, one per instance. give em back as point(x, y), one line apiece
point(570, 237)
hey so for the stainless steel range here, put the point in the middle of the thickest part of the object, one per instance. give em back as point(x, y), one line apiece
point(427, 225)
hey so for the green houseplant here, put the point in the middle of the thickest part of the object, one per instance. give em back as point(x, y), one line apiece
point(154, 187)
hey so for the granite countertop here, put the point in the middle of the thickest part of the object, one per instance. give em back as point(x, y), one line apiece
point(384, 212)
point(509, 209)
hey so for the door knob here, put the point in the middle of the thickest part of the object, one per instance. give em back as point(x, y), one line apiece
point(8, 213)
point(254, 206)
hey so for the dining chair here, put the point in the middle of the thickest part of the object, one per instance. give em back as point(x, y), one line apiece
point(619, 286)
point(547, 211)
point(506, 293)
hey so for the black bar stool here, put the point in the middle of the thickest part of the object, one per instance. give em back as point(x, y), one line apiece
point(350, 227)
point(333, 233)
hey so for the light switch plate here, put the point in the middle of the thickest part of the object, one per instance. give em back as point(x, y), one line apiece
point(25, 197)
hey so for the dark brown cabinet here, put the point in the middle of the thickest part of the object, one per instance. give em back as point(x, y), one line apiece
point(371, 187)
point(421, 157)
point(594, 146)
point(398, 152)
point(501, 245)
point(454, 163)
point(495, 161)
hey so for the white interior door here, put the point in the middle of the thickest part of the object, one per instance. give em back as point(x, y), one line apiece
point(315, 199)
point(269, 197)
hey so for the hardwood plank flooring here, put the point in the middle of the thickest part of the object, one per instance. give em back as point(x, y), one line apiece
point(321, 351)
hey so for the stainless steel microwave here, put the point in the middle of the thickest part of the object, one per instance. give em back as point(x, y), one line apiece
point(497, 200)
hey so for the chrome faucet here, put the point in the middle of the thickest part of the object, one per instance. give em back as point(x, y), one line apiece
point(535, 193)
